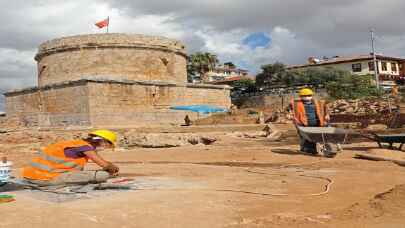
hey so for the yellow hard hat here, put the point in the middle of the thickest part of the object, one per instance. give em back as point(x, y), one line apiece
point(106, 134)
point(306, 92)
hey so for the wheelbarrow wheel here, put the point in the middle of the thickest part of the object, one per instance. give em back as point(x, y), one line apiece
point(330, 150)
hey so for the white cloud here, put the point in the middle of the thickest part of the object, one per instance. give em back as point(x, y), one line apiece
point(229, 46)
point(17, 69)
point(148, 25)
point(227, 43)
point(298, 28)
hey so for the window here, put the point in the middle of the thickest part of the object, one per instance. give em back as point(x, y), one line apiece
point(383, 66)
point(356, 67)
point(371, 66)
point(400, 66)
point(394, 67)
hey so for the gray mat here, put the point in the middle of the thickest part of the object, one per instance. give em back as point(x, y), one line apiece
point(60, 194)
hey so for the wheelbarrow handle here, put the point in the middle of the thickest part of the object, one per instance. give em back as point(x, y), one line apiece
point(370, 135)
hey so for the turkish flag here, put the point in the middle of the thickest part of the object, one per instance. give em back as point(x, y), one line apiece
point(103, 23)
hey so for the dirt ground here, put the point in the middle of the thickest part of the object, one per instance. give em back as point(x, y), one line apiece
point(233, 183)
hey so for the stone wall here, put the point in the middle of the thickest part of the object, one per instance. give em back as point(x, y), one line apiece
point(22, 108)
point(65, 106)
point(90, 102)
point(148, 104)
point(60, 105)
point(3, 120)
point(120, 56)
point(273, 101)
point(201, 94)
point(23, 103)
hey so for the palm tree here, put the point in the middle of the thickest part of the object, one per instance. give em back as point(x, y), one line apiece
point(202, 63)
point(211, 59)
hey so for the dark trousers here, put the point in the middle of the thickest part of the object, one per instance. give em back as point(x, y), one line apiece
point(307, 146)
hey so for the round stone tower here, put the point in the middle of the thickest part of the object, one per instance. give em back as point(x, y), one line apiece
point(112, 56)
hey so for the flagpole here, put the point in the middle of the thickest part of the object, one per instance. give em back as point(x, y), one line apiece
point(108, 21)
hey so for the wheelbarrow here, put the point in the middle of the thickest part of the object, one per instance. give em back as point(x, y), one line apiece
point(383, 139)
point(328, 139)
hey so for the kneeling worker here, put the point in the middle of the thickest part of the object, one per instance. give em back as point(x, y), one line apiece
point(308, 112)
point(63, 162)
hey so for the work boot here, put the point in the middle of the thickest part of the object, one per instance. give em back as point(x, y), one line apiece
point(308, 151)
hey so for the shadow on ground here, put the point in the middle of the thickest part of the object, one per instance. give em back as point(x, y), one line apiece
point(292, 152)
point(361, 148)
point(286, 151)
point(11, 187)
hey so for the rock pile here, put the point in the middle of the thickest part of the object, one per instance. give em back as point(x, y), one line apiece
point(269, 132)
point(361, 107)
point(162, 140)
point(279, 116)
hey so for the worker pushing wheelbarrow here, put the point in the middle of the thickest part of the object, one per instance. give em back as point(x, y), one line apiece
point(327, 140)
point(311, 120)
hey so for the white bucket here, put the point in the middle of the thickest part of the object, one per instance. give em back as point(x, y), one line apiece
point(5, 170)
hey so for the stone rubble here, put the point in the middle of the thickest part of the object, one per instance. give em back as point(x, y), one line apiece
point(279, 116)
point(361, 107)
point(157, 140)
point(269, 132)
point(356, 107)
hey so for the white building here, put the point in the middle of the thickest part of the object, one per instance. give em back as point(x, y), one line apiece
point(224, 72)
point(389, 68)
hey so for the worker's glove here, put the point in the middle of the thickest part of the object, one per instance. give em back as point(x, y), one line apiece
point(290, 116)
point(111, 169)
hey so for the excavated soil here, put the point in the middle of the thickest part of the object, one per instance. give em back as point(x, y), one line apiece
point(234, 182)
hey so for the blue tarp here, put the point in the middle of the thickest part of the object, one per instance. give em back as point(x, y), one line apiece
point(205, 109)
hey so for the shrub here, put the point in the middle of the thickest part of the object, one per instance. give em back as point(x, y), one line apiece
point(350, 86)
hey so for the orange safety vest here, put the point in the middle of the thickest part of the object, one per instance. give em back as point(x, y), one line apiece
point(52, 161)
point(300, 117)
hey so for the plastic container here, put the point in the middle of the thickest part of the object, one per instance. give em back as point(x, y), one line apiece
point(6, 198)
point(5, 170)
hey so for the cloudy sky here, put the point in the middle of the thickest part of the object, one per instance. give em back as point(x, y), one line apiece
point(247, 32)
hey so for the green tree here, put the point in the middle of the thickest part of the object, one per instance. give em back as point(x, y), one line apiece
point(247, 85)
point(200, 63)
point(316, 75)
point(339, 83)
point(350, 86)
point(271, 73)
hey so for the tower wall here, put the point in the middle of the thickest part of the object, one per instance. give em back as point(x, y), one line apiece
point(120, 56)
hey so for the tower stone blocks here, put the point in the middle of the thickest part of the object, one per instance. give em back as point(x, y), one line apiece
point(118, 56)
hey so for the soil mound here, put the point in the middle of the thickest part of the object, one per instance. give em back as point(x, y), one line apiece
point(387, 204)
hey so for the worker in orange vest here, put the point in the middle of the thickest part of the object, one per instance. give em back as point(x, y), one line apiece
point(63, 162)
point(308, 112)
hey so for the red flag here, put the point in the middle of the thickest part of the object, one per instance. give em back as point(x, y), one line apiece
point(103, 23)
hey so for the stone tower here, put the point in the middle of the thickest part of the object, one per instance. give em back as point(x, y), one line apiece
point(110, 80)
point(116, 56)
